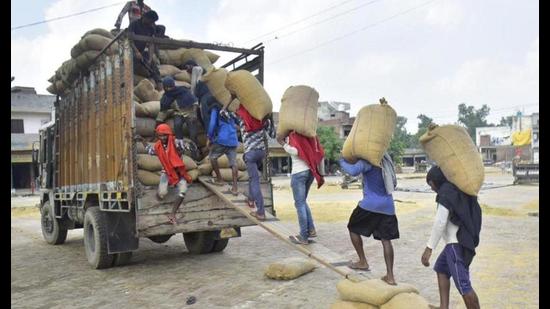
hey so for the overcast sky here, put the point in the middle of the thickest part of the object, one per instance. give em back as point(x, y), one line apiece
point(423, 56)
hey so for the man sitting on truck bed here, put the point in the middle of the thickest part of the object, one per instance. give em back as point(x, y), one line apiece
point(184, 105)
point(144, 51)
point(174, 172)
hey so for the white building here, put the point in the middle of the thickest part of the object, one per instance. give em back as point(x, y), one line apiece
point(29, 111)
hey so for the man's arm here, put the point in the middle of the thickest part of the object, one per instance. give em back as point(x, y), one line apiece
point(441, 219)
point(356, 168)
point(290, 150)
point(125, 10)
point(212, 124)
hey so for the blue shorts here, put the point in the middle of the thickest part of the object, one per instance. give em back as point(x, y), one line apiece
point(451, 263)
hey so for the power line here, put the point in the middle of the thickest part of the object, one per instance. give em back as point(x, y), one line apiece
point(505, 109)
point(323, 21)
point(298, 21)
point(353, 32)
point(66, 16)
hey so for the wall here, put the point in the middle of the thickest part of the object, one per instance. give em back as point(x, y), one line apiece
point(499, 135)
point(31, 121)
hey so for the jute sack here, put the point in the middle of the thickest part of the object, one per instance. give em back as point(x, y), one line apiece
point(289, 268)
point(149, 163)
point(240, 148)
point(371, 133)
point(148, 109)
point(373, 291)
point(406, 300)
point(148, 178)
point(342, 304)
point(234, 105)
point(101, 32)
point(190, 164)
point(69, 71)
point(145, 91)
point(168, 70)
point(250, 93)
point(138, 78)
point(243, 176)
point(183, 76)
point(223, 162)
point(215, 81)
point(145, 126)
point(171, 56)
point(455, 153)
point(184, 84)
point(205, 169)
point(199, 56)
point(93, 42)
point(140, 149)
point(298, 111)
point(212, 56)
point(194, 174)
point(84, 60)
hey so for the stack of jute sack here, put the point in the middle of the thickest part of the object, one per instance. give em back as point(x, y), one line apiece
point(375, 293)
point(82, 55)
point(452, 148)
point(371, 133)
point(239, 87)
point(149, 168)
point(205, 168)
point(298, 111)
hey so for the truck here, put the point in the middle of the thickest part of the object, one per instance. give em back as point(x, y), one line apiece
point(86, 159)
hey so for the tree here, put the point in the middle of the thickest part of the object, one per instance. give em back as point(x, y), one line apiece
point(332, 144)
point(506, 121)
point(401, 139)
point(472, 118)
point(425, 121)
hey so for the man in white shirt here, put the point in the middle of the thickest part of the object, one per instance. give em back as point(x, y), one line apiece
point(451, 262)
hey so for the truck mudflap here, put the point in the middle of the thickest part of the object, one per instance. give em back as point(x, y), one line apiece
point(121, 228)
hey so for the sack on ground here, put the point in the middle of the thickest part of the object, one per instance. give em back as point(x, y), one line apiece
point(148, 178)
point(371, 133)
point(215, 81)
point(289, 268)
point(298, 111)
point(250, 93)
point(372, 291)
point(452, 148)
point(342, 304)
point(145, 91)
point(406, 300)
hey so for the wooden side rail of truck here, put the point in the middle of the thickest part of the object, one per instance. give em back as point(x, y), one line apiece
point(88, 171)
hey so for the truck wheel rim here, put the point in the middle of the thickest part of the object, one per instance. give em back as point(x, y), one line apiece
point(47, 221)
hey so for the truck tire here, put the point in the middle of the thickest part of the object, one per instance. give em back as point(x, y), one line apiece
point(199, 242)
point(120, 259)
point(160, 239)
point(54, 230)
point(95, 239)
point(220, 244)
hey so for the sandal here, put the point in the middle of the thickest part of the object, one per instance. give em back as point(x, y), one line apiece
point(215, 182)
point(312, 234)
point(250, 203)
point(298, 240)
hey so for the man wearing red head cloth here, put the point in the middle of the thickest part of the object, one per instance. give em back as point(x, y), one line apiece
point(174, 172)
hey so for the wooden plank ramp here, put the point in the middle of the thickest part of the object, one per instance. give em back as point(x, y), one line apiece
point(315, 250)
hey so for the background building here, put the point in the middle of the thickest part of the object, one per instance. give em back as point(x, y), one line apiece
point(29, 111)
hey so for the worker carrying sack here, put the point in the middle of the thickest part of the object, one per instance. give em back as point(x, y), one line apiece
point(298, 111)
point(250, 93)
point(371, 133)
point(452, 148)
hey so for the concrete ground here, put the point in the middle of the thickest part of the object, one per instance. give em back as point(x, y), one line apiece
point(504, 272)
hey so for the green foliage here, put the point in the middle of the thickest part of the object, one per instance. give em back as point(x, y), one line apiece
point(506, 121)
point(332, 144)
point(471, 118)
point(401, 140)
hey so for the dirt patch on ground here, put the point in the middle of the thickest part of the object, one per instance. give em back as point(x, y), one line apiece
point(31, 212)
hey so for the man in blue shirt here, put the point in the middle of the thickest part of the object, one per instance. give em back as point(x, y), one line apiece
point(375, 213)
point(222, 135)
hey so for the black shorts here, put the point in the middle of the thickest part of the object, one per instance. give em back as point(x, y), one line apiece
point(380, 226)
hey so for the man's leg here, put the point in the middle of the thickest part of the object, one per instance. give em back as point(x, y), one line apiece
point(192, 127)
point(444, 288)
point(231, 153)
point(298, 184)
point(178, 126)
point(388, 257)
point(310, 225)
point(357, 243)
point(470, 300)
point(214, 155)
point(251, 158)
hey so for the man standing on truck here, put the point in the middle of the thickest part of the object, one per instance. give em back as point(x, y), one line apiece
point(174, 172)
point(136, 9)
point(184, 105)
point(222, 135)
point(144, 51)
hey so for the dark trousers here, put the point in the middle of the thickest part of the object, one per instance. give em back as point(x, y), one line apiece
point(192, 127)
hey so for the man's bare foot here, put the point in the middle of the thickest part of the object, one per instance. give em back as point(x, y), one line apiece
point(390, 281)
point(359, 266)
point(235, 191)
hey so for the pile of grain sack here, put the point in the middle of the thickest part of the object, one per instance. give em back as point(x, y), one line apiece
point(375, 293)
point(82, 55)
point(298, 111)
